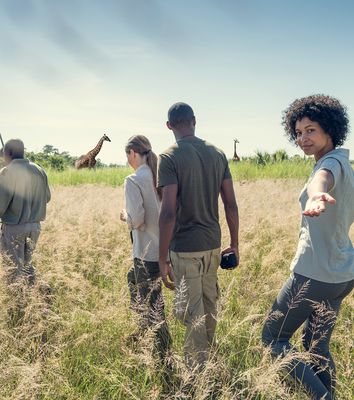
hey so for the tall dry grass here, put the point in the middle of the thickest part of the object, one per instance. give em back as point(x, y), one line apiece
point(72, 342)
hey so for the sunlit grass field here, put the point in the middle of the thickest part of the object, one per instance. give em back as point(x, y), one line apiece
point(72, 343)
point(241, 171)
point(244, 170)
point(104, 176)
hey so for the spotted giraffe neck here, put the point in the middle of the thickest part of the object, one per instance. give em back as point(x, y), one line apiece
point(97, 149)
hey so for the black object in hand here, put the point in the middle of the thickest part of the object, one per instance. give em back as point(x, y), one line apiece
point(229, 261)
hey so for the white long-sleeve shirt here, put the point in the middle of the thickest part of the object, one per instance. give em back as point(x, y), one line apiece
point(143, 207)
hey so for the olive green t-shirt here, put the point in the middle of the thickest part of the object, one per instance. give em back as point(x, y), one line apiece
point(198, 168)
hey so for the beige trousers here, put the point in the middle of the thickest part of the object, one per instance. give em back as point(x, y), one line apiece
point(195, 301)
point(17, 244)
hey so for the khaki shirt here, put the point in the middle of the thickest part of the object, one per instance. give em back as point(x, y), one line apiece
point(24, 192)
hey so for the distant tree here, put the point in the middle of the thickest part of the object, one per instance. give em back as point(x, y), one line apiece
point(51, 158)
point(296, 158)
point(262, 158)
point(100, 164)
point(113, 165)
point(57, 162)
point(49, 149)
point(280, 155)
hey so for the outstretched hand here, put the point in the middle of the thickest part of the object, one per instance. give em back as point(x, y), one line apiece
point(167, 275)
point(316, 204)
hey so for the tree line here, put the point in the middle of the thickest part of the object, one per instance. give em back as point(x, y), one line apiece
point(51, 158)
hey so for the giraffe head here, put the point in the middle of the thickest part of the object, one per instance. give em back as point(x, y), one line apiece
point(105, 137)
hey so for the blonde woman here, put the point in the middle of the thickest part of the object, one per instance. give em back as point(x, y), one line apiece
point(141, 213)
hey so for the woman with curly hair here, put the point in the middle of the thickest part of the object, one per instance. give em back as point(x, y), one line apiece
point(323, 267)
point(141, 213)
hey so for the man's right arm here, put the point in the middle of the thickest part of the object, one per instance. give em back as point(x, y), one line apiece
point(167, 222)
point(48, 193)
point(231, 212)
point(167, 180)
point(47, 188)
point(6, 191)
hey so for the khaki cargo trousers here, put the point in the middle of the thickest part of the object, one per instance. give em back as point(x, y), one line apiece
point(17, 243)
point(195, 300)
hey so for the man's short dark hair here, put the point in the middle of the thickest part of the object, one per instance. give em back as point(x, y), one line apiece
point(14, 148)
point(180, 114)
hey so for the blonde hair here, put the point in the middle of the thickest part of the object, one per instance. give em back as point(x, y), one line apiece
point(140, 144)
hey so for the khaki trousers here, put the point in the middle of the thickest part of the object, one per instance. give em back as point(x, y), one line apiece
point(17, 244)
point(195, 301)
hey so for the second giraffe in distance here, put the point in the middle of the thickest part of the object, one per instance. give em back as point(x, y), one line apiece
point(235, 157)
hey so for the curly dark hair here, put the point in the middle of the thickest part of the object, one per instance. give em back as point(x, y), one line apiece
point(327, 111)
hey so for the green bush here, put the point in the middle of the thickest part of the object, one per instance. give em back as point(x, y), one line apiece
point(50, 158)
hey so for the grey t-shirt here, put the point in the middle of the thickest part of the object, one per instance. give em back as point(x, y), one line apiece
point(198, 168)
point(325, 251)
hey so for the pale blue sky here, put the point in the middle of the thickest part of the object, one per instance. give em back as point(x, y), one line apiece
point(72, 70)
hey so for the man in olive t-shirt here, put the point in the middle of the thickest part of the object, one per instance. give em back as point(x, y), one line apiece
point(192, 173)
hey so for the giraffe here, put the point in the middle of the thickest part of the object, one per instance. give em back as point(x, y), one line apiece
point(235, 157)
point(89, 160)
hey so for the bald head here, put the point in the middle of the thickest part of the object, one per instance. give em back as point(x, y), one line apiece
point(14, 148)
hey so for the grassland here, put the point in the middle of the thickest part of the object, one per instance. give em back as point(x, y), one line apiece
point(245, 170)
point(71, 344)
point(104, 176)
point(249, 170)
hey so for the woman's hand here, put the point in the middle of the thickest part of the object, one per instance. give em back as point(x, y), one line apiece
point(316, 204)
point(123, 215)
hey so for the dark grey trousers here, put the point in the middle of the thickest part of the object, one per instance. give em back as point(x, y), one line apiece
point(17, 243)
point(304, 300)
point(147, 300)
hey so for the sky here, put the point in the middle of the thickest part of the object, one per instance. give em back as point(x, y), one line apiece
point(73, 70)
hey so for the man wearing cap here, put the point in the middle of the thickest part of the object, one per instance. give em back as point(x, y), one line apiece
point(24, 193)
point(192, 173)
